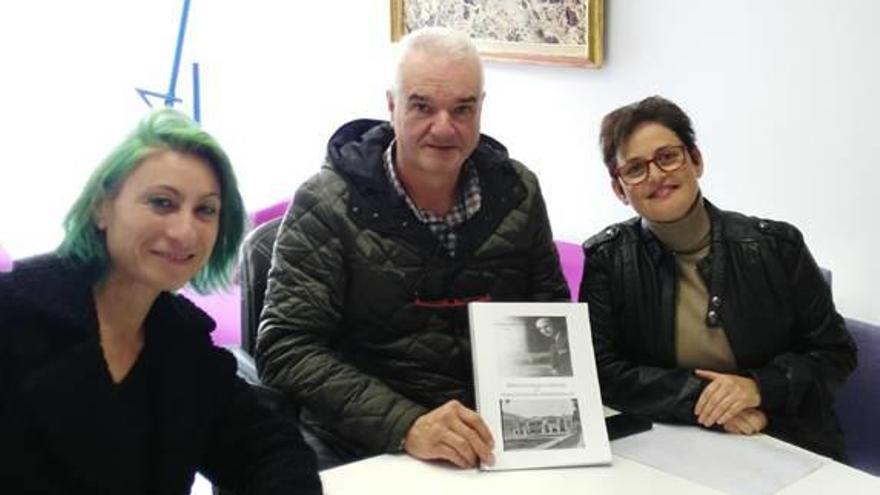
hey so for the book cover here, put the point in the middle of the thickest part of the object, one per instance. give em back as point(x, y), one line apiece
point(536, 384)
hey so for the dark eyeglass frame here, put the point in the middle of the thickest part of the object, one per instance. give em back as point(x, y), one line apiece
point(647, 163)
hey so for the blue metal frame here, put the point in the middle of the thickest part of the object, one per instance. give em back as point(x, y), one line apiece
point(197, 107)
point(170, 97)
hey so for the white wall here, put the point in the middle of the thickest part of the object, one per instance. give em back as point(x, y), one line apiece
point(780, 93)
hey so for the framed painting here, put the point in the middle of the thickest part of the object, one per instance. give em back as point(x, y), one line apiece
point(562, 32)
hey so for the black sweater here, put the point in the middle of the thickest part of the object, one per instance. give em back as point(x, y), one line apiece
point(65, 428)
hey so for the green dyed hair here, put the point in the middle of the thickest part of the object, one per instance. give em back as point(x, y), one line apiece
point(163, 129)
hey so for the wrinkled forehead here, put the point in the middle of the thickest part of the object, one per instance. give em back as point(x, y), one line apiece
point(459, 76)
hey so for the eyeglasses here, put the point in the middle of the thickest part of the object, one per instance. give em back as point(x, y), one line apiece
point(667, 159)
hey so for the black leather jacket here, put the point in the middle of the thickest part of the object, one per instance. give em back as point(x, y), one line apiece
point(767, 293)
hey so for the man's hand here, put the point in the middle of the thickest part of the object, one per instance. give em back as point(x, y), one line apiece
point(747, 422)
point(451, 432)
point(724, 397)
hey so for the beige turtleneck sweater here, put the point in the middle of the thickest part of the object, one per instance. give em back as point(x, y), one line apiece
point(696, 344)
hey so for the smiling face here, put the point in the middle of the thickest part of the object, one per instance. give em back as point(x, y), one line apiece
point(663, 196)
point(435, 113)
point(161, 226)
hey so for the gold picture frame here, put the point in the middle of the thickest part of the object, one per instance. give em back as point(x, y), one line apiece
point(565, 32)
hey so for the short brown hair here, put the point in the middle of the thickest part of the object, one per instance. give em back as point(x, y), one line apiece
point(618, 125)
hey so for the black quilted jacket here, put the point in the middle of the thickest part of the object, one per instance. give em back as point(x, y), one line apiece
point(365, 320)
point(765, 291)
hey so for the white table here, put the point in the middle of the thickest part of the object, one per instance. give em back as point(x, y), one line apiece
point(400, 474)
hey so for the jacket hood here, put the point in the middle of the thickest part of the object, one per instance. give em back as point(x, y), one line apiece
point(365, 140)
point(355, 153)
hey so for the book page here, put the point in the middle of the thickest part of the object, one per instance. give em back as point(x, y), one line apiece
point(536, 384)
point(734, 464)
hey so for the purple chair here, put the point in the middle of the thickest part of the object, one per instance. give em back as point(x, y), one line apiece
point(225, 307)
point(858, 402)
point(5, 260)
point(571, 257)
point(269, 213)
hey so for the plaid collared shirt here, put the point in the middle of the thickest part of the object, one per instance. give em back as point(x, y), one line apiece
point(444, 227)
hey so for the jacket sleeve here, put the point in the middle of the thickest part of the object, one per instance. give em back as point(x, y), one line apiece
point(10, 445)
point(4, 341)
point(547, 282)
point(822, 352)
point(24, 463)
point(303, 318)
point(255, 451)
point(659, 393)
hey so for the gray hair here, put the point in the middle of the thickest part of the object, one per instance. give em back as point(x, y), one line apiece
point(440, 42)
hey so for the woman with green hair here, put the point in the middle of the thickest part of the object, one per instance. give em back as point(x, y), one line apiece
point(109, 382)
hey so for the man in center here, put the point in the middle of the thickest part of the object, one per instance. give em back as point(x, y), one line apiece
point(365, 320)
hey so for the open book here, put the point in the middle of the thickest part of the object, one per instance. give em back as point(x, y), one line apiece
point(536, 384)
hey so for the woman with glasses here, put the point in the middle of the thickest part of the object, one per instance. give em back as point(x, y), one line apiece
point(109, 382)
point(705, 316)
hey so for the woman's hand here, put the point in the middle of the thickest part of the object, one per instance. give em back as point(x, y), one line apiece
point(724, 397)
point(747, 422)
